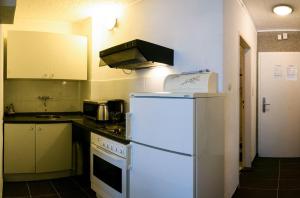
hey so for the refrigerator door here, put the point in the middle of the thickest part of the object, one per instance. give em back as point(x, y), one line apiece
point(160, 174)
point(166, 123)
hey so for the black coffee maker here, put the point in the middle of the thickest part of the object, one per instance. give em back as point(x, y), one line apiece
point(116, 110)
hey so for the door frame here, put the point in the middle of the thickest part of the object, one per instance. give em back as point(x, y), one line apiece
point(247, 138)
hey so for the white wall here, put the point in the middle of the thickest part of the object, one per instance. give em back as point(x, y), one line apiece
point(237, 22)
point(192, 28)
point(23, 93)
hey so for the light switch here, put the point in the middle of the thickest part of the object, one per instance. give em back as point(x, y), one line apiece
point(285, 36)
point(279, 37)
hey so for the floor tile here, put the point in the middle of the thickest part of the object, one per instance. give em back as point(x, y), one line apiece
point(290, 173)
point(65, 184)
point(290, 166)
point(41, 188)
point(73, 194)
point(15, 189)
point(67, 188)
point(289, 184)
point(289, 160)
point(254, 193)
point(258, 183)
point(82, 181)
point(46, 196)
point(90, 192)
point(267, 174)
point(289, 194)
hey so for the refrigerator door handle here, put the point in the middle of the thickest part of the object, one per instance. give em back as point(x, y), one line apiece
point(128, 125)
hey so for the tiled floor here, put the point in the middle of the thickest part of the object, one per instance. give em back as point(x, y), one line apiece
point(270, 178)
point(71, 187)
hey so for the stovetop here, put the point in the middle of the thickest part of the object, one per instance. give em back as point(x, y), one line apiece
point(117, 129)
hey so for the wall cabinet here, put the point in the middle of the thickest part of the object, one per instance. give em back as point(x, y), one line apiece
point(43, 55)
point(37, 148)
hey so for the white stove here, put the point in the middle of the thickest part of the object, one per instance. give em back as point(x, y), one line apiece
point(109, 167)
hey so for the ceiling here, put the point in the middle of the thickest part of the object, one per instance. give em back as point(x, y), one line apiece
point(74, 10)
point(60, 10)
point(265, 19)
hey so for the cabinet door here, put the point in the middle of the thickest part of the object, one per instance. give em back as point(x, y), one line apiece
point(46, 55)
point(19, 148)
point(27, 55)
point(69, 57)
point(53, 147)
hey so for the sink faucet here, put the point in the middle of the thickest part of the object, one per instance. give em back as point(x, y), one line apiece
point(44, 99)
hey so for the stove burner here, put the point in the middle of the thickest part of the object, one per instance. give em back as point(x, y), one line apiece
point(116, 130)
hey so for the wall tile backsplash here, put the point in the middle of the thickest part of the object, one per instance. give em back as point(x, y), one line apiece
point(23, 94)
point(121, 88)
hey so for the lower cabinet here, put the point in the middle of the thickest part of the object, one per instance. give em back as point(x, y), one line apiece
point(37, 148)
point(53, 150)
point(19, 148)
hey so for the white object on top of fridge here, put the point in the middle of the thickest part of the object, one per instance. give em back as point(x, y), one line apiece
point(204, 82)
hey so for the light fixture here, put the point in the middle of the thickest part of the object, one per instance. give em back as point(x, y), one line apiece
point(110, 23)
point(282, 10)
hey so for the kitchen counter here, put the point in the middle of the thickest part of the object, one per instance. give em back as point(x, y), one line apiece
point(76, 118)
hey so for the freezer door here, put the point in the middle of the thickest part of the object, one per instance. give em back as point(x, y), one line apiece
point(160, 174)
point(166, 123)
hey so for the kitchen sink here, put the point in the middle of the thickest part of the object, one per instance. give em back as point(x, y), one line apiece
point(48, 116)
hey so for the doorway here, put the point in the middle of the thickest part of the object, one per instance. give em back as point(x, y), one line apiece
point(244, 105)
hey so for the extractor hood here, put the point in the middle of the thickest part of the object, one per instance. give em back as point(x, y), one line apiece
point(136, 54)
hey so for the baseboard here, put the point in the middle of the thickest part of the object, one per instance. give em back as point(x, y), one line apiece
point(37, 176)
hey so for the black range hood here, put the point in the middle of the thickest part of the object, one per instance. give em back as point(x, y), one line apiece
point(136, 54)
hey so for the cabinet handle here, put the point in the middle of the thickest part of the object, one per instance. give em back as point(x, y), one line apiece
point(39, 129)
point(31, 128)
point(45, 75)
point(52, 75)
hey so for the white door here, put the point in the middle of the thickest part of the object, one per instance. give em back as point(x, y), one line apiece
point(53, 147)
point(160, 174)
point(27, 55)
point(166, 123)
point(279, 104)
point(69, 56)
point(19, 148)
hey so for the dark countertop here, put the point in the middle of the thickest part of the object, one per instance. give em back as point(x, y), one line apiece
point(75, 118)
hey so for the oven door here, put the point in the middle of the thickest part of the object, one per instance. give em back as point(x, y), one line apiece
point(108, 173)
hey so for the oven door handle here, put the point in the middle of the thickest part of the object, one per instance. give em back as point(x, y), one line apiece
point(104, 152)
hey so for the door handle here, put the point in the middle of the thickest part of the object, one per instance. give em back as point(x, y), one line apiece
point(264, 105)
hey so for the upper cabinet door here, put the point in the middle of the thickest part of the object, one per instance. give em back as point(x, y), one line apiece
point(42, 55)
point(69, 56)
point(27, 55)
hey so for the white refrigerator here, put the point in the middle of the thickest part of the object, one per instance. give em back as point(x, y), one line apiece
point(177, 145)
